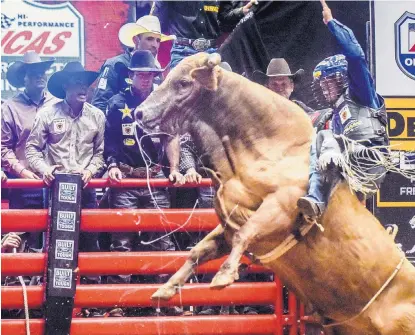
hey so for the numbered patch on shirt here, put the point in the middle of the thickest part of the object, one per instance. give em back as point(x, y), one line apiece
point(345, 114)
point(128, 129)
point(59, 126)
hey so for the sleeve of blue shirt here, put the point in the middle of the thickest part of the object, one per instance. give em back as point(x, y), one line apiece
point(361, 85)
point(113, 134)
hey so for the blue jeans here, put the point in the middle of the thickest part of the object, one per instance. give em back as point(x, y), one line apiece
point(316, 188)
point(127, 241)
point(178, 52)
point(28, 199)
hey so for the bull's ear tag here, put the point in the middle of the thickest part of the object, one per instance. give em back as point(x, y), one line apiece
point(206, 76)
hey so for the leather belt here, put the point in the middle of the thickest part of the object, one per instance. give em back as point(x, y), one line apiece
point(199, 44)
point(140, 172)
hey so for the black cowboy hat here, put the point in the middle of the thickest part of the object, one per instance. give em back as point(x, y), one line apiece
point(17, 71)
point(277, 67)
point(71, 69)
point(143, 61)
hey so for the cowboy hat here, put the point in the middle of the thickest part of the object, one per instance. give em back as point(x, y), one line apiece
point(141, 61)
point(145, 24)
point(277, 67)
point(17, 71)
point(60, 78)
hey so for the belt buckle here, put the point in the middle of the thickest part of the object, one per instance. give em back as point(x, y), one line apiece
point(200, 44)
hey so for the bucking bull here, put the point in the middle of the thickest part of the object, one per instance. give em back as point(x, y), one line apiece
point(258, 145)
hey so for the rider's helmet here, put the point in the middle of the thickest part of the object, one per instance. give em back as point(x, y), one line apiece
point(330, 80)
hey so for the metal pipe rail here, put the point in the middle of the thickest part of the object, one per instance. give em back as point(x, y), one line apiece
point(195, 325)
point(116, 220)
point(139, 295)
point(115, 263)
point(101, 183)
point(147, 263)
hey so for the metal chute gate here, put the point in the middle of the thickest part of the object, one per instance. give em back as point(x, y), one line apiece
point(292, 322)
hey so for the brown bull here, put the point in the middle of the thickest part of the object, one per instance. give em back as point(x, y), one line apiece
point(258, 144)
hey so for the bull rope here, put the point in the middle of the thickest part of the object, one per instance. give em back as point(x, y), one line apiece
point(356, 161)
point(394, 273)
point(287, 244)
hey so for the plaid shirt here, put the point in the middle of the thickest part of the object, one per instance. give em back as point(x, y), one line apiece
point(188, 153)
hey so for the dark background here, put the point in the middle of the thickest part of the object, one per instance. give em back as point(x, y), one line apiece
point(293, 30)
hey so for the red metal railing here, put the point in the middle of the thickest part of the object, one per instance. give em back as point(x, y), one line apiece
point(110, 263)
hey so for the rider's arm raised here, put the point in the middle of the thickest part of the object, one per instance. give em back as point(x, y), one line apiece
point(361, 85)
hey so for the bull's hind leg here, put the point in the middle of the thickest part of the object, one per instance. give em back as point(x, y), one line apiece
point(211, 247)
point(270, 217)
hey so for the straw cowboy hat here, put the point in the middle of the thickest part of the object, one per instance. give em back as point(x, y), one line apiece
point(145, 24)
point(60, 78)
point(31, 60)
point(278, 67)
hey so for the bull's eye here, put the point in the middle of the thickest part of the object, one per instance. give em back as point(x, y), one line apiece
point(184, 83)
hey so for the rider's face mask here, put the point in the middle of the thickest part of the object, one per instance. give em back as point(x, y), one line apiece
point(333, 86)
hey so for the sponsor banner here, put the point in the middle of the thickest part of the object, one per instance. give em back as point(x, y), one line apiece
point(404, 218)
point(53, 31)
point(405, 44)
point(401, 123)
point(394, 46)
point(397, 191)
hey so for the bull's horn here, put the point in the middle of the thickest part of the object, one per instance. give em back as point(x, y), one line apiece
point(213, 60)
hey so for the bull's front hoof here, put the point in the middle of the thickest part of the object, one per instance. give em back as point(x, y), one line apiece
point(222, 279)
point(166, 292)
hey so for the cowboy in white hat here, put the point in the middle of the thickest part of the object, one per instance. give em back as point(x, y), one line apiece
point(144, 34)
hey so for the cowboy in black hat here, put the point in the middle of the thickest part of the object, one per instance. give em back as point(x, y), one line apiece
point(131, 154)
point(18, 115)
point(281, 80)
point(68, 136)
point(72, 116)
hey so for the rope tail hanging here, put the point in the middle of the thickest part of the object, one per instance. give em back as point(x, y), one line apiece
point(358, 162)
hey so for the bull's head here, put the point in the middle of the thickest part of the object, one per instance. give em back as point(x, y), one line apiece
point(183, 94)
